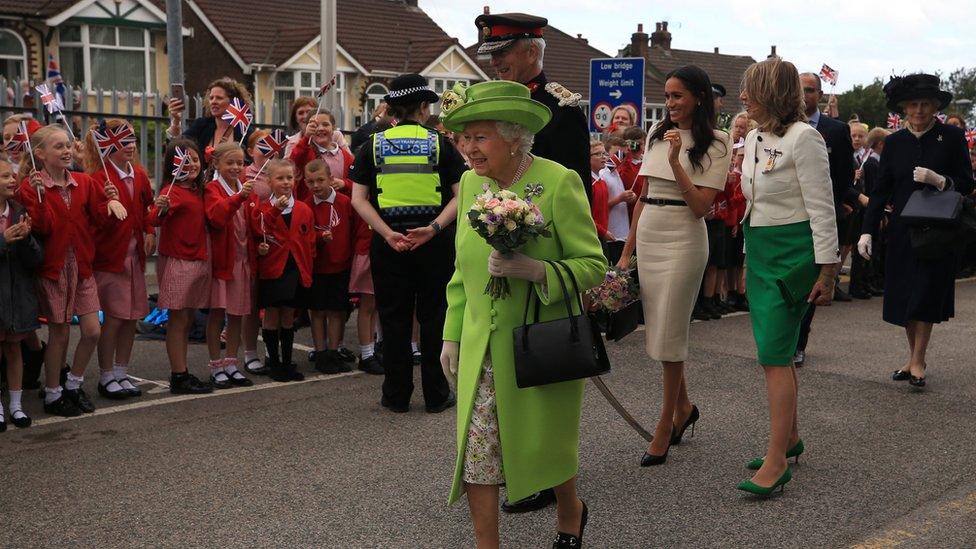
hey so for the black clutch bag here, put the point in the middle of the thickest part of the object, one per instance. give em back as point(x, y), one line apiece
point(932, 207)
point(563, 349)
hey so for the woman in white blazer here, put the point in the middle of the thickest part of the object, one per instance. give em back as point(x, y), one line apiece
point(791, 246)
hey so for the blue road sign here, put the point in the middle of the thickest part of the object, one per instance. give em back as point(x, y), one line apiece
point(613, 82)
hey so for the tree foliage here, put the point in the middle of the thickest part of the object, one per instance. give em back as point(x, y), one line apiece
point(865, 102)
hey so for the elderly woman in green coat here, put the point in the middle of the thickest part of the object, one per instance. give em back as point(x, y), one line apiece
point(526, 439)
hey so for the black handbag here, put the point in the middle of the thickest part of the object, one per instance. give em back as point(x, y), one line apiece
point(563, 349)
point(937, 240)
point(929, 206)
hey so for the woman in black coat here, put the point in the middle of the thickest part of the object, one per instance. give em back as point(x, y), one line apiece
point(211, 129)
point(918, 293)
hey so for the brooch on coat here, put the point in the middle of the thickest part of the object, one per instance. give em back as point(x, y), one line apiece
point(773, 154)
point(564, 96)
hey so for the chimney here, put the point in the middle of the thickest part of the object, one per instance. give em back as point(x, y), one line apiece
point(772, 52)
point(716, 49)
point(581, 39)
point(661, 37)
point(486, 10)
point(638, 42)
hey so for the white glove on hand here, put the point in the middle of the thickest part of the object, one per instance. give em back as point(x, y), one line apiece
point(864, 246)
point(449, 361)
point(927, 176)
point(516, 266)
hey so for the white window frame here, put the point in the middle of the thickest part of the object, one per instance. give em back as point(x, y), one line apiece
point(297, 90)
point(23, 48)
point(148, 48)
point(373, 99)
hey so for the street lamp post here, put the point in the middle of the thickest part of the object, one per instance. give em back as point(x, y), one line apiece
point(328, 56)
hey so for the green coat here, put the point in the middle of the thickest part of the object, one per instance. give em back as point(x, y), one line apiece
point(539, 426)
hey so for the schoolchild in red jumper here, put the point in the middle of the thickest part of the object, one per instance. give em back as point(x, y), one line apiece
point(257, 173)
point(284, 230)
point(65, 208)
point(20, 256)
point(233, 255)
point(600, 196)
point(339, 231)
point(121, 248)
point(184, 265)
point(321, 144)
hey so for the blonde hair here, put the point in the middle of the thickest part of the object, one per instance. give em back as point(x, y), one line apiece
point(859, 124)
point(279, 163)
point(774, 85)
point(38, 140)
point(16, 119)
point(631, 113)
point(876, 136)
point(750, 123)
point(90, 155)
point(318, 165)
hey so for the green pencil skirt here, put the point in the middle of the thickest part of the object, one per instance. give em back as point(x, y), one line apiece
point(771, 252)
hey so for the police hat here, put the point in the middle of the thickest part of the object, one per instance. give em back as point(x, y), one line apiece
point(499, 31)
point(408, 89)
point(915, 86)
point(718, 89)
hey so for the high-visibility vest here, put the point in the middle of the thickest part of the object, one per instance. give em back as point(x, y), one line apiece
point(407, 182)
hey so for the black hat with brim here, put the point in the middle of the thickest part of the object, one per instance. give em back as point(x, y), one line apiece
point(915, 86)
point(499, 31)
point(718, 89)
point(408, 89)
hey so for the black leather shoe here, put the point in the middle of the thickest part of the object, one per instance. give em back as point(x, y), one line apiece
point(327, 362)
point(449, 402)
point(288, 373)
point(3, 425)
point(62, 407)
point(188, 384)
point(861, 295)
point(80, 399)
point(539, 500)
point(916, 381)
point(875, 291)
point(21, 422)
point(372, 366)
point(255, 367)
point(118, 394)
point(690, 422)
point(220, 380)
point(394, 408)
point(130, 388)
point(841, 295)
point(346, 355)
point(239, 379)
point(900, 375)
point(569, 540)
point(650, 460)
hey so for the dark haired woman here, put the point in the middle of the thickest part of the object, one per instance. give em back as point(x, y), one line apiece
point(926, 153)
point(211, 129)
point(686, 161)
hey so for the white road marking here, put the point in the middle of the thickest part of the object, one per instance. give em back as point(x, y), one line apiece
point(180, 398)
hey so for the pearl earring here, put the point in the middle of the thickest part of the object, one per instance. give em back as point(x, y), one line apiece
point(511, 153)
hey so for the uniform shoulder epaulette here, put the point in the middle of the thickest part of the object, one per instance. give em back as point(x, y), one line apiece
point(565, 97)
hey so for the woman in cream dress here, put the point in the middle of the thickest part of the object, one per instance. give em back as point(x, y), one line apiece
point(686, 163)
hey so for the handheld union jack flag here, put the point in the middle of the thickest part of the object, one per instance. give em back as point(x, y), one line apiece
point(894, 121)
point(828, 75)
point(18, 142)
point(327, 86)
point(942, 117)
point(971, 137)
point(109, 141)
point(180, 158)
point(51, 102)
point(238, 114)
point(272, 145)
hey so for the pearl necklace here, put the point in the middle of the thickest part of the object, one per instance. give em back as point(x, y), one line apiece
point(522, 167)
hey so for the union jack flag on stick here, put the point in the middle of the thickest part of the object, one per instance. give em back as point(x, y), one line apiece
point(30, 151)
point(109, 141)
point(180, 158)
point(971, 137)
point(273, 145)
point(322, 91)
point(828, 75)
point(51, 101)
point(238, 115)
point(894, 121)
point(19, 142)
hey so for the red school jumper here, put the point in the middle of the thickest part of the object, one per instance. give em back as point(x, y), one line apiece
point(221, 208)
point(296, 239)
point(112, 242)
point(304, 152)
point(349, 233)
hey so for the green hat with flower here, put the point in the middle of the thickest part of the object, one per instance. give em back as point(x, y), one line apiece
point(498, 100)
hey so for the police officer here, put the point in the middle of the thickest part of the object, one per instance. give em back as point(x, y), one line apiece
point(516, 46)
point(405, 181)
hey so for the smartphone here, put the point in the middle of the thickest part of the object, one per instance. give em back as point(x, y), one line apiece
point(176, 91)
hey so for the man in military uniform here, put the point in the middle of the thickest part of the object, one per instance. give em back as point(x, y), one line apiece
point(516, 46)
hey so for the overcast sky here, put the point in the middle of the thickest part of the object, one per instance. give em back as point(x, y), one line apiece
point(861, 40)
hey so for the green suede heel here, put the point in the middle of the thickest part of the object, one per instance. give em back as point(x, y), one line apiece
point(793, 452)
point(753, 488)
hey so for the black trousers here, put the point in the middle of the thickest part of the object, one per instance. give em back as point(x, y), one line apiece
point(405, 282)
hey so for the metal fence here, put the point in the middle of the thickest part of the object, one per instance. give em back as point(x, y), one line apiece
point(147, 112)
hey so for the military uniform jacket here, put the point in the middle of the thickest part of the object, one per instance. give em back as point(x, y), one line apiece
point(566, 138)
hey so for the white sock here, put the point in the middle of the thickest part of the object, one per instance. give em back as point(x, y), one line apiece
point(366, 351)
point(217, 367)
point(1, 412)
point(52, 394)
point(415, 346)
point(106, 377)
point(121, 373)
point(230, 366)
point(249, 356)
point(15, 400)
point(74, 382)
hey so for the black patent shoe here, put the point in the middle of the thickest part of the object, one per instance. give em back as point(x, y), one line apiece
point(80, 399)
point(106, 390)
point(238, 378)
point(372, 366)
point(917, 381)
point(346, 355)
point(21, 422)
point(539, 500)
point(188, 384)
point(130, 388)
point(650, 460)
point(900, 375)
point(569, 540)
point(256, 368)
point(220, 380)
point(690, 422)
point(62, 407)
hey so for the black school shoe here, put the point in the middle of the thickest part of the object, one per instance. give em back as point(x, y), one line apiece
point(188, 384)
point(449, 402)
point(399, 409)
point(346, 355)
point(22, 422)
point(118, 394)
point(327, 362)
point(372, 366)
point(62, 407)
point(285, 374)
point(80, 399)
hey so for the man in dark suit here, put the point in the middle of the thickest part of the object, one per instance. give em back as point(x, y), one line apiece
point(840, 154)
point(516, 46)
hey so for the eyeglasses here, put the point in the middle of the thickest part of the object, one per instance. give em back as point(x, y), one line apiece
point(810, 90)
point(600, 154)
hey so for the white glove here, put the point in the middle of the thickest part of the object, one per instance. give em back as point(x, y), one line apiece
point(864, 246)
point(927, 176)
point(516, 266)
point(449, 361)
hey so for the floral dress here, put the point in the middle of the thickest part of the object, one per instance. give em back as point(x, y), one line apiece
point(483, 453)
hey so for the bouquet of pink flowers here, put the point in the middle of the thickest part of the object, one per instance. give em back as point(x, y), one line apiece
point(506, 222)
point(617, 290)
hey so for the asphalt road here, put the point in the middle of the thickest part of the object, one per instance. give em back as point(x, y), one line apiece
point(321, 464)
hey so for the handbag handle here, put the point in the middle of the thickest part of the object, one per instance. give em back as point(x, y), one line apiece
point(573, 324)
point(572, 278)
